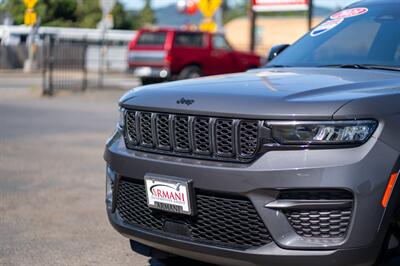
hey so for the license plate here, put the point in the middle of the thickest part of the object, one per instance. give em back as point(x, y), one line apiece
point(170, 194)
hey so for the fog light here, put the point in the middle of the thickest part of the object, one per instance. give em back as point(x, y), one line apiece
point(110, 179)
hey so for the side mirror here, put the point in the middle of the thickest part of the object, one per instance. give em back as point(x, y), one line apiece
point(276, 50)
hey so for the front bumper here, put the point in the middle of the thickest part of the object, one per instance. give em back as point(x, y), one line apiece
point(270, 254)
point(364, 171)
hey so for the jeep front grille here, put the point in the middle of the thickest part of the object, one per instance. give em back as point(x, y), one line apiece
point(193, 136)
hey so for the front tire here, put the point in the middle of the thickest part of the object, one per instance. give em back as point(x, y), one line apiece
point(390, 250)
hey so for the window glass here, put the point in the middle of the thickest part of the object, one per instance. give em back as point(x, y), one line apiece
point(152, 38)
point(336, 48)
point(372, 38)
point(189, 39)
point(219, 42)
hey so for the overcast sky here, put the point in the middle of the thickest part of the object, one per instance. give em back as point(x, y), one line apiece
point(137, 4)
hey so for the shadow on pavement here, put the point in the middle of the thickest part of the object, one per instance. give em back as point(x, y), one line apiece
point(185, 262)
point(177, 262)
point(392, 262)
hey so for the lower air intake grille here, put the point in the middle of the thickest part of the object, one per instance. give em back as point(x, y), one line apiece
point(321, 223)
point(331, 223)
point(220, 221)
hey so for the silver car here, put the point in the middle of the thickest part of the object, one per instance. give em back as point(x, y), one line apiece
point(295, 163)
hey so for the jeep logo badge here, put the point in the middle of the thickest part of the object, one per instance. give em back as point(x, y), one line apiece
point(185, 101)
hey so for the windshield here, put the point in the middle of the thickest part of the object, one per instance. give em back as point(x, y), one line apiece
point(363, 35)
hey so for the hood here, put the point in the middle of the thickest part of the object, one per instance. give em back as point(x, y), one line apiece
point(312, 93)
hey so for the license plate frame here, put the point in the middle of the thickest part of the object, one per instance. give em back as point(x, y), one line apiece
point(170, 194)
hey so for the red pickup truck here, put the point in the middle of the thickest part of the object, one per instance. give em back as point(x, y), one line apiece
point(170, 54)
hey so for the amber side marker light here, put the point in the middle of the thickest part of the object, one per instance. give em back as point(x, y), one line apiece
point(389, 189)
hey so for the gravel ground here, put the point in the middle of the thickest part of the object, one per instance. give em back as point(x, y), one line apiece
point(52, 180)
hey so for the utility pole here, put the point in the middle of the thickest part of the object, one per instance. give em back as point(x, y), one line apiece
point(30, 19)
point(253, 19)
point(310, 14)
point(106, 6)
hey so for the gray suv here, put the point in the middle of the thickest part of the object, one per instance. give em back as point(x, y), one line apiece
point(295, 163)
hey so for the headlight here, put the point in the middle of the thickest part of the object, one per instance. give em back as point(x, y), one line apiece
point(121, 121)
point(323, 133)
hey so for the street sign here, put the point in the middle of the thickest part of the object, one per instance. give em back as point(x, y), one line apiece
point(209, 7)
point(30, 17)
point(279, 5)
point(30, 4)
point(208, 25)
point(107, 6)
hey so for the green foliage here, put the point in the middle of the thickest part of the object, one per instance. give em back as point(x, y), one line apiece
point(146, 15)
point(231, 12)
point(78, 13)
point(89, 13)
point(57, 12)
point(16, 9)
point(124, 20)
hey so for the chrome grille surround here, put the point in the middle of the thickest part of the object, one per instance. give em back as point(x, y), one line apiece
point(212, 138)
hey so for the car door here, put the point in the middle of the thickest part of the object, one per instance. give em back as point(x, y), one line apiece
point(222, 56)
point(189, 48)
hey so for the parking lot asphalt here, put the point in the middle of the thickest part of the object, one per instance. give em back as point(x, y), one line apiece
point(52, 208)
point(52, 176)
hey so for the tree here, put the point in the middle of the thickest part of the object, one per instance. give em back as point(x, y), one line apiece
point(230, 12)
point(16, 9)
point(146, 15)
point(89, 14)
point(72, 13)
point(123, 19)
point(58, 12)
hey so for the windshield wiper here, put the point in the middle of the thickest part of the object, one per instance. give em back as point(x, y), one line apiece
point(355, 66)
point(364, 66)
point(277, 66)
point(392, 68)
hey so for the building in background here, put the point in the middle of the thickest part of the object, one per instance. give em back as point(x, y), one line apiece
point(272, 30)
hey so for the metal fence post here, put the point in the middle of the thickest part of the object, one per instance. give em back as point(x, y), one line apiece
point(101, 62)
point(45, 66)
point(1, 56)
point(84, 67)
point(51, 65)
